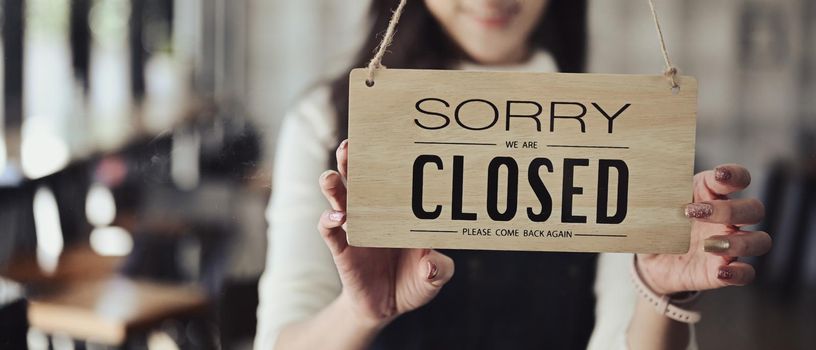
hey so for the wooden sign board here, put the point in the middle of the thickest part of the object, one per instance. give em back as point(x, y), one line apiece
point(520, 161)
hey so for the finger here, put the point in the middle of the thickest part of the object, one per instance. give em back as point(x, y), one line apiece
point(342, 158)
point(436, 268)
point(330, 227)
point(749, 243)
point(730, 211)
point(727, 178)
point(333, 189)
point(735, 274)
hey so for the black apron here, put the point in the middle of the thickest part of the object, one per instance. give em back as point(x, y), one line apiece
point(504, 300)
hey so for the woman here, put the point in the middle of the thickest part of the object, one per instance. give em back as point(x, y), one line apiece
point(319, 293)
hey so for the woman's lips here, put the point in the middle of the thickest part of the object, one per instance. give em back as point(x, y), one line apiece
point(493, 19)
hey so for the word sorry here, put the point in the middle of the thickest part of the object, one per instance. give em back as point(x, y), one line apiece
point(555, 110)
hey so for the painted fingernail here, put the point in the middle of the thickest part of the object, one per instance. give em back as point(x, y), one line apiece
point(722, 174)
point(699, 210)
point(325, 175)
point(716, 245)
point(336, 216)
point(432, 271)
point(725, 274)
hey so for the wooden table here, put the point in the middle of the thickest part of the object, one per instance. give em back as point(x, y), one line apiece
point(86, 299)
point(76, 263)
point(106, 311)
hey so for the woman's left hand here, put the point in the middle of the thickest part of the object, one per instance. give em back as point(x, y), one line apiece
point(716, 238)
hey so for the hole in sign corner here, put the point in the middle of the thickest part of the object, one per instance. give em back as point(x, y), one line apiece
point(369, 83)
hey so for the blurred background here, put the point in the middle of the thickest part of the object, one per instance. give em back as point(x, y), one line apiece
point(137, 141)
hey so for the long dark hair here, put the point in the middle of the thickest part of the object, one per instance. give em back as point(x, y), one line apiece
point(421, 43)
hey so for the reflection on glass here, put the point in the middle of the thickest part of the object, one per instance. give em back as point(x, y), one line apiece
point(48, 229)
point(48, 86)
point(3, 155)
point(3, 149)
point(111, 241)
point(43, 150)
point(37, 340)
point(109, 97)
point(165, 92)
point(184, 159)
point(100, 207)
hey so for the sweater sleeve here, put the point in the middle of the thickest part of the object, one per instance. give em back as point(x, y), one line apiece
point(300, 278)
point(615, 300)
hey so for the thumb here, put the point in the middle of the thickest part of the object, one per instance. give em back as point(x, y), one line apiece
point(436, 269)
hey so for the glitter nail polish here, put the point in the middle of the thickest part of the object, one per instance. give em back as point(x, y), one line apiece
point(699, 210)
point(722, 174)
point(725, 274)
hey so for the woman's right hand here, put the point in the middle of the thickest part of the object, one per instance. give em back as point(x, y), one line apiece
point(379, 284)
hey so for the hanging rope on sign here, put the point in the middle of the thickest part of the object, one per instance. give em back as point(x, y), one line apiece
point(671, 71)
point(376, 61)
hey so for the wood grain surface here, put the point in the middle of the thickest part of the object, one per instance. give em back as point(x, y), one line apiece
point(459, 122)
